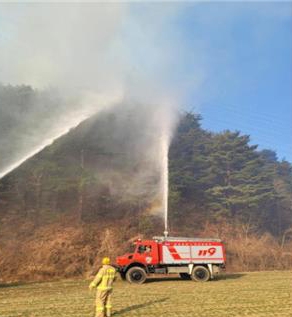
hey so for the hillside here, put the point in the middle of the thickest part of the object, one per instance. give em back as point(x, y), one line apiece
point(96, 188)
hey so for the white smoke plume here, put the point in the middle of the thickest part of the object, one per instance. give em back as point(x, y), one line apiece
point(83, 58)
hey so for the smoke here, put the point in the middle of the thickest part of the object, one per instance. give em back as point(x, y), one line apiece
point(30, 120)
point(62, 45)
point(94, 47)
point(81, 59)
point(125, 148)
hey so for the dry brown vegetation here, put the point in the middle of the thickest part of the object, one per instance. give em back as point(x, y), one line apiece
point(248, 250)
point(68, 248)
point(63, 249)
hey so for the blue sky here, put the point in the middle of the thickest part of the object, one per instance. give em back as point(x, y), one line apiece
point(246, 53)
point(229, 61)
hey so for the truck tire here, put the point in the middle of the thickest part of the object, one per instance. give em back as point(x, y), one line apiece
point(200, 274)
point(185, 276)
point(136, 275)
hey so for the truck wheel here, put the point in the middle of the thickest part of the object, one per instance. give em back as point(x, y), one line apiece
point(185, 276)
point(136, 275)
point(200, 274)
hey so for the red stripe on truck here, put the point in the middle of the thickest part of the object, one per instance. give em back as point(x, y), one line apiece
point(174, 253)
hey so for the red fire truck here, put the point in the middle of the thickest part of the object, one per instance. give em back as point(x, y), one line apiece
point(197, 259)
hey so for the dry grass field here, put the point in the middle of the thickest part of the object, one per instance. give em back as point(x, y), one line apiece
point(261, 294)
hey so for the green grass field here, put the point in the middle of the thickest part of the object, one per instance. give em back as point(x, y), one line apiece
point(263, 294)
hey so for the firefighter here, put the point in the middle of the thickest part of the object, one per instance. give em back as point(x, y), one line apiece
point(103, 281)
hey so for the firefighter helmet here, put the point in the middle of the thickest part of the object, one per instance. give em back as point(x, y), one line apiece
point(106, 260)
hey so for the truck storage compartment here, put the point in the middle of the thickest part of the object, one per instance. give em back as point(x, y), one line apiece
point(178, 269)
point(160, 270)
point(185, 252)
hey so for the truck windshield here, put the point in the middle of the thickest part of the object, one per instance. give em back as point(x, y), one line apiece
point(132, 248)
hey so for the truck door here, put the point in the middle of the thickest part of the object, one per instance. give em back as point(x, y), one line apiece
point(145, 253)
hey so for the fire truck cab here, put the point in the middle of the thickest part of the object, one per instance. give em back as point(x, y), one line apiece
point(192, 258)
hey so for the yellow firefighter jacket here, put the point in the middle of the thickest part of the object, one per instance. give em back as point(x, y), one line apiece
point(104, 279)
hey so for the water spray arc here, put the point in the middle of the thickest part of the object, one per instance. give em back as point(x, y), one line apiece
point(164, 179)
point(91, 105)
point(58, 133)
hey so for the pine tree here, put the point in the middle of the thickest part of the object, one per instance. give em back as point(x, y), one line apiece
point(188, 163)
point(240, 183)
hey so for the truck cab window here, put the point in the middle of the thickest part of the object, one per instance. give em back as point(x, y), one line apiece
point(141, 249)
point(148, 249)
point(144, 249)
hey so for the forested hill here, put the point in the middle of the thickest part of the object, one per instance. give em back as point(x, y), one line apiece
point(96, 188)
point(223, 177)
